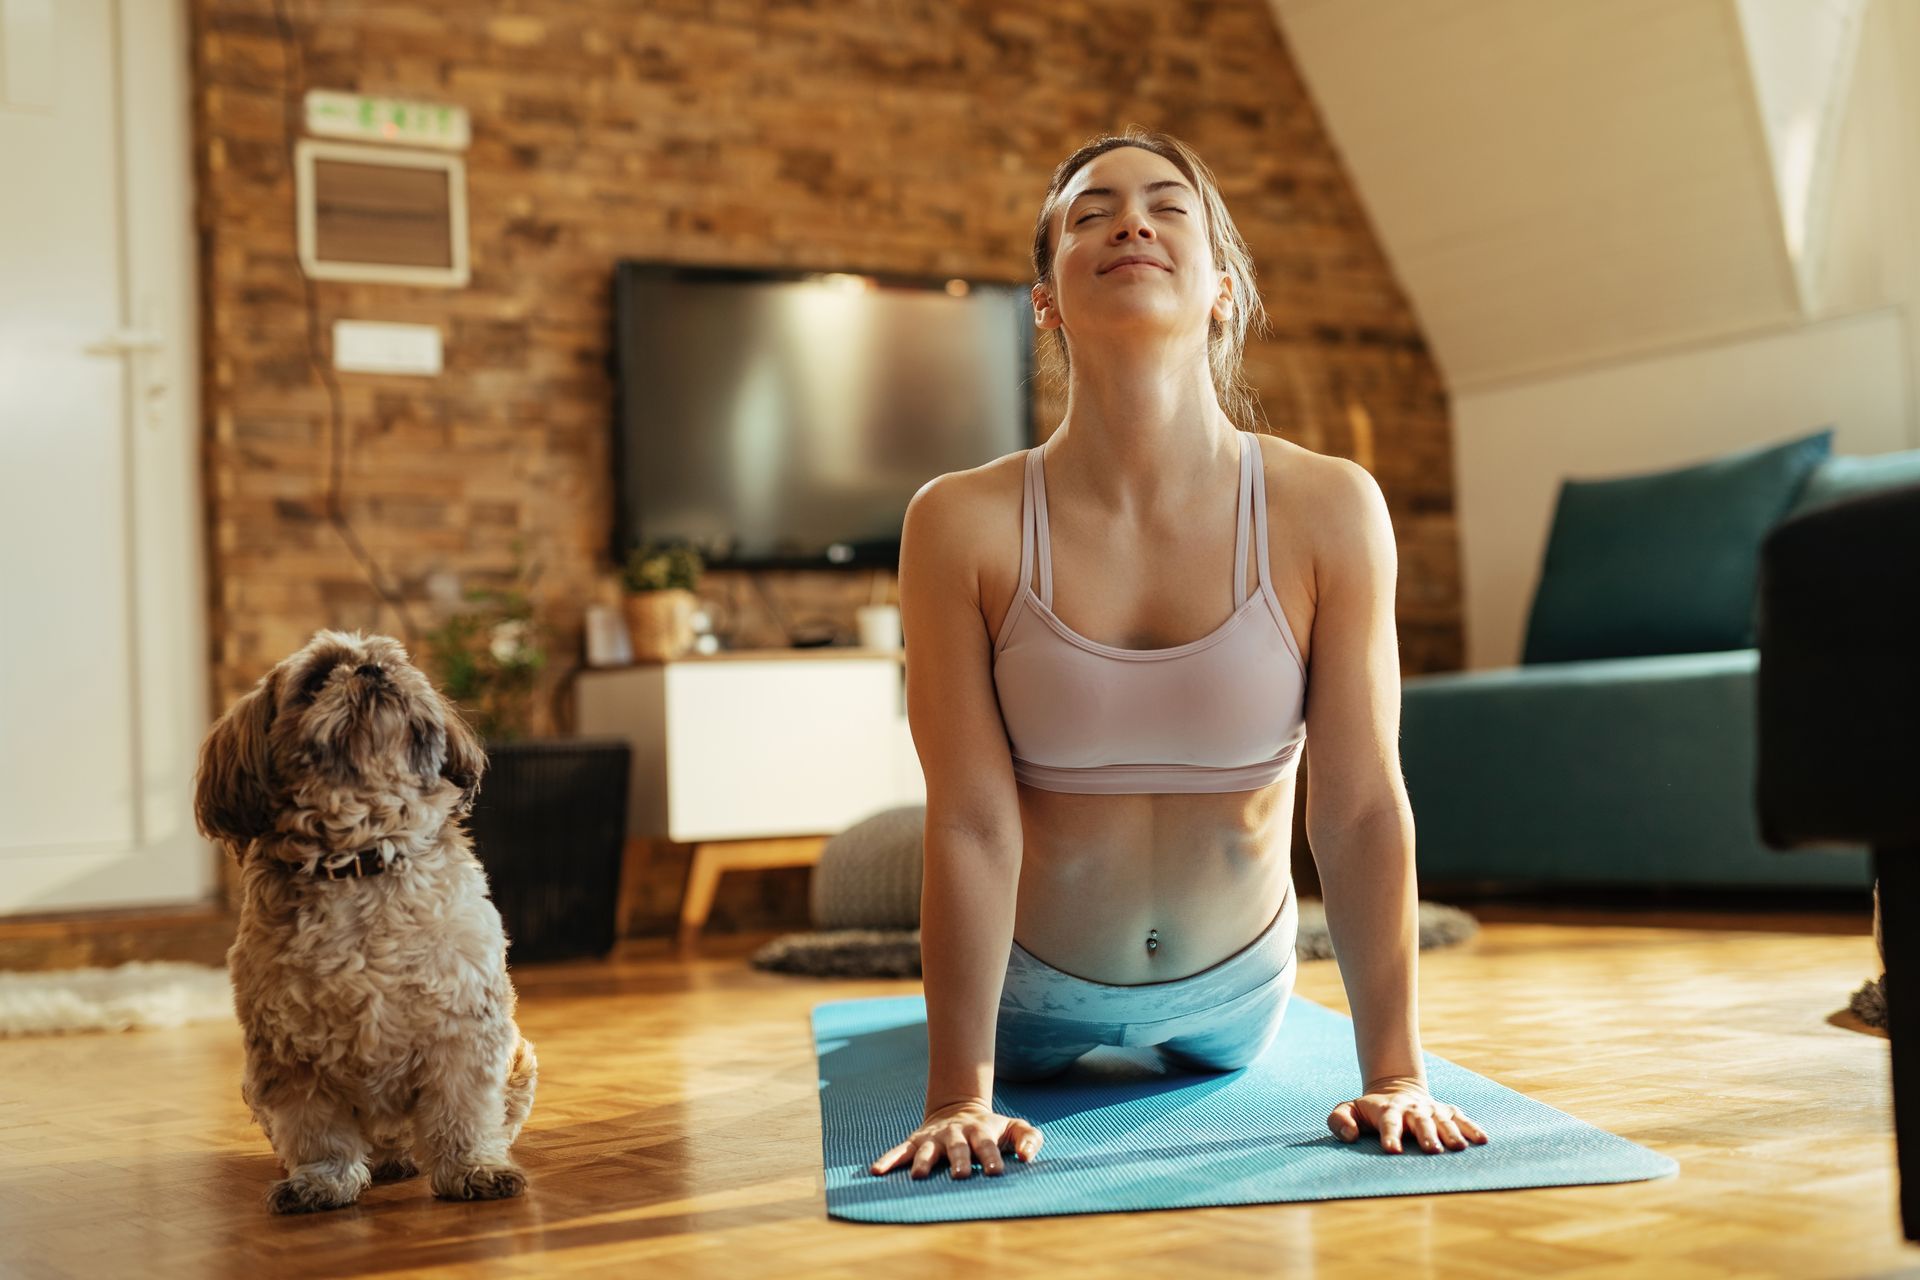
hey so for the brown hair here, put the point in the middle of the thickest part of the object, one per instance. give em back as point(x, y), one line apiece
point(1226, 343)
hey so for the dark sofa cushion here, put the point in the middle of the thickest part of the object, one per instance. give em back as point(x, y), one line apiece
point(1663, 562)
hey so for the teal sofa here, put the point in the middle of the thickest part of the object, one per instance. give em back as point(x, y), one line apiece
point(1621, 752)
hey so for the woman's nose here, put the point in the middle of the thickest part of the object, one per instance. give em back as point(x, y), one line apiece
point(1136, 228)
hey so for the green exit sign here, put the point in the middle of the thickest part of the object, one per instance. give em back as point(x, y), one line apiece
point(368, 119)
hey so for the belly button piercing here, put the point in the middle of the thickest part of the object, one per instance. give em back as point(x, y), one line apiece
point(1153, 941)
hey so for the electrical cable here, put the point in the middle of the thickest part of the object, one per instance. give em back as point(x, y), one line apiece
point(335, 503)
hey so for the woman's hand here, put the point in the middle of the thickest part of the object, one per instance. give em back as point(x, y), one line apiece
point(1391, 1105)
point(960, 1134)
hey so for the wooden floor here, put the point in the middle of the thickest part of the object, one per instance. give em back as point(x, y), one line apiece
point(676, 1133)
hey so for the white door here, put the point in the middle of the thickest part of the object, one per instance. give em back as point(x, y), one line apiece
point(102, 634)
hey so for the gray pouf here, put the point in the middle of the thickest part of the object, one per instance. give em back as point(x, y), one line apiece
point(1440, 926)
point(868, 876)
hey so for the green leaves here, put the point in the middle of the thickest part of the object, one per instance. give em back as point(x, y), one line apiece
point(488, 657)
point(662, 566)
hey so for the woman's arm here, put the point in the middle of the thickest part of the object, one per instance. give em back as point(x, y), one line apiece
point(972, 836)
point(1367, 879)
point(966, 930)
point(1359, 822)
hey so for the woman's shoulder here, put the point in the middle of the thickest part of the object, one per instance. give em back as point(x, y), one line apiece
point(974, 511)
point(1323, 485)
point(1326, 515)
point(965, 497)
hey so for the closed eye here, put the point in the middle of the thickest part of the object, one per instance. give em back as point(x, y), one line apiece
point(1170, 208)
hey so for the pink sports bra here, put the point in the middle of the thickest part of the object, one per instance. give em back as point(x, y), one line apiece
point(1221, 713)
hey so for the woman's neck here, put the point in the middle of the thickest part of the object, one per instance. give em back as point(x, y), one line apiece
point(1140, 432)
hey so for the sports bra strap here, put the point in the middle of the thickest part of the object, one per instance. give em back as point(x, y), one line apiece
point(1240, 523)
point(1026, 530)
point(1037, 499)
point(1036, 546)
point(1260, 513)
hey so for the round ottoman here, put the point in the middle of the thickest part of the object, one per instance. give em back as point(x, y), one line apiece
point(868, 876)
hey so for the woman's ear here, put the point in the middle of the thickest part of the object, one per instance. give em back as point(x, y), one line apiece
point(1223, 304)
point(233, 789)
point(1045, 316)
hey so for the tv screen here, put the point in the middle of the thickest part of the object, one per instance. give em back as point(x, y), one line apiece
point(784, 419)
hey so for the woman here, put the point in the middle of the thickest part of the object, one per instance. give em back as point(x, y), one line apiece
point(1110, 766)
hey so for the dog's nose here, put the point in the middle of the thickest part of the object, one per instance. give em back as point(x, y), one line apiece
point(371, 672)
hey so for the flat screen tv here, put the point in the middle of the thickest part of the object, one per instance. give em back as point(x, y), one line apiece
point(781, 419)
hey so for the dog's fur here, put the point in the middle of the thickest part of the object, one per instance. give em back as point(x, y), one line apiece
point(378, 1013)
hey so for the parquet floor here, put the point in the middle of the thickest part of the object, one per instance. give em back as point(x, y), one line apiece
point(676, 1133)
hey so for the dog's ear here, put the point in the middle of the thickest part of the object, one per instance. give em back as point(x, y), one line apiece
point(466, 759)
point(233, 795)
point(449, 749)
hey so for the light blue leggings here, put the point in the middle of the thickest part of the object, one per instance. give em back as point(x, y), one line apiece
point(1219, 1019)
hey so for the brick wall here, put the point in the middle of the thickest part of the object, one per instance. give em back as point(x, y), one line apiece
point(898, 137)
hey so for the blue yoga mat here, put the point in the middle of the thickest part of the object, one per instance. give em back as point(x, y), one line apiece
point(1125, 1133)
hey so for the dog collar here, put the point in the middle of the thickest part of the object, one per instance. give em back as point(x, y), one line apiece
point(367, 862)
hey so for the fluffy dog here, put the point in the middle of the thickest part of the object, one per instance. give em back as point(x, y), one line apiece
point(369, 973)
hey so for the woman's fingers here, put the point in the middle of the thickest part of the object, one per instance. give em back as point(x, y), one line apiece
point(1450, 1132)
point(962, 1142)
point(1391, 1118)
point(891, 1161)
point(986, 1151)
point(1425, 1132)
point(1022, 1139)
point(1345, 1127)
point(959, 1153)
point(1473, 1131)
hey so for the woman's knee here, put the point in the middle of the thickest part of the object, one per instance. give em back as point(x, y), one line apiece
point(1020, 1068)
point(1218, 1052)
point(1244, 1031)
point(1029, 1048)
point(1021, 1058)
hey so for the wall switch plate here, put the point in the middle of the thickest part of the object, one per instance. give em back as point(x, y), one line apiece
point(368, 346)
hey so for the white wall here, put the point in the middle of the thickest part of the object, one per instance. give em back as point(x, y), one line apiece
point(1514, 443)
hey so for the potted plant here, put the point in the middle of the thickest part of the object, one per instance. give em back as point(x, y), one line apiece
point(487, 658)
point(550, 821)
point(660, 579)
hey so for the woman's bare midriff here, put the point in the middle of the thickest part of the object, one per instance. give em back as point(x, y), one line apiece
point(1204, 871)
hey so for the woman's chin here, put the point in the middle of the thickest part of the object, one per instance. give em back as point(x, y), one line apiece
point(1132, 318)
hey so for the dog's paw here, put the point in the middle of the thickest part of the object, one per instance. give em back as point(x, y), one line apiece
point(395, 1168)
point(310, 1195)
point(479, 1182)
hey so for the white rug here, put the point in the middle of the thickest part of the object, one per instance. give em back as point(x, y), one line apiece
point(164, 993)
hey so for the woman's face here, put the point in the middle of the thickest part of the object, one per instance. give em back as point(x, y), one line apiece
point(1126, 204)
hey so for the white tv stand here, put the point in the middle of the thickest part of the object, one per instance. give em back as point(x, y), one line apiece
point(755, 756)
